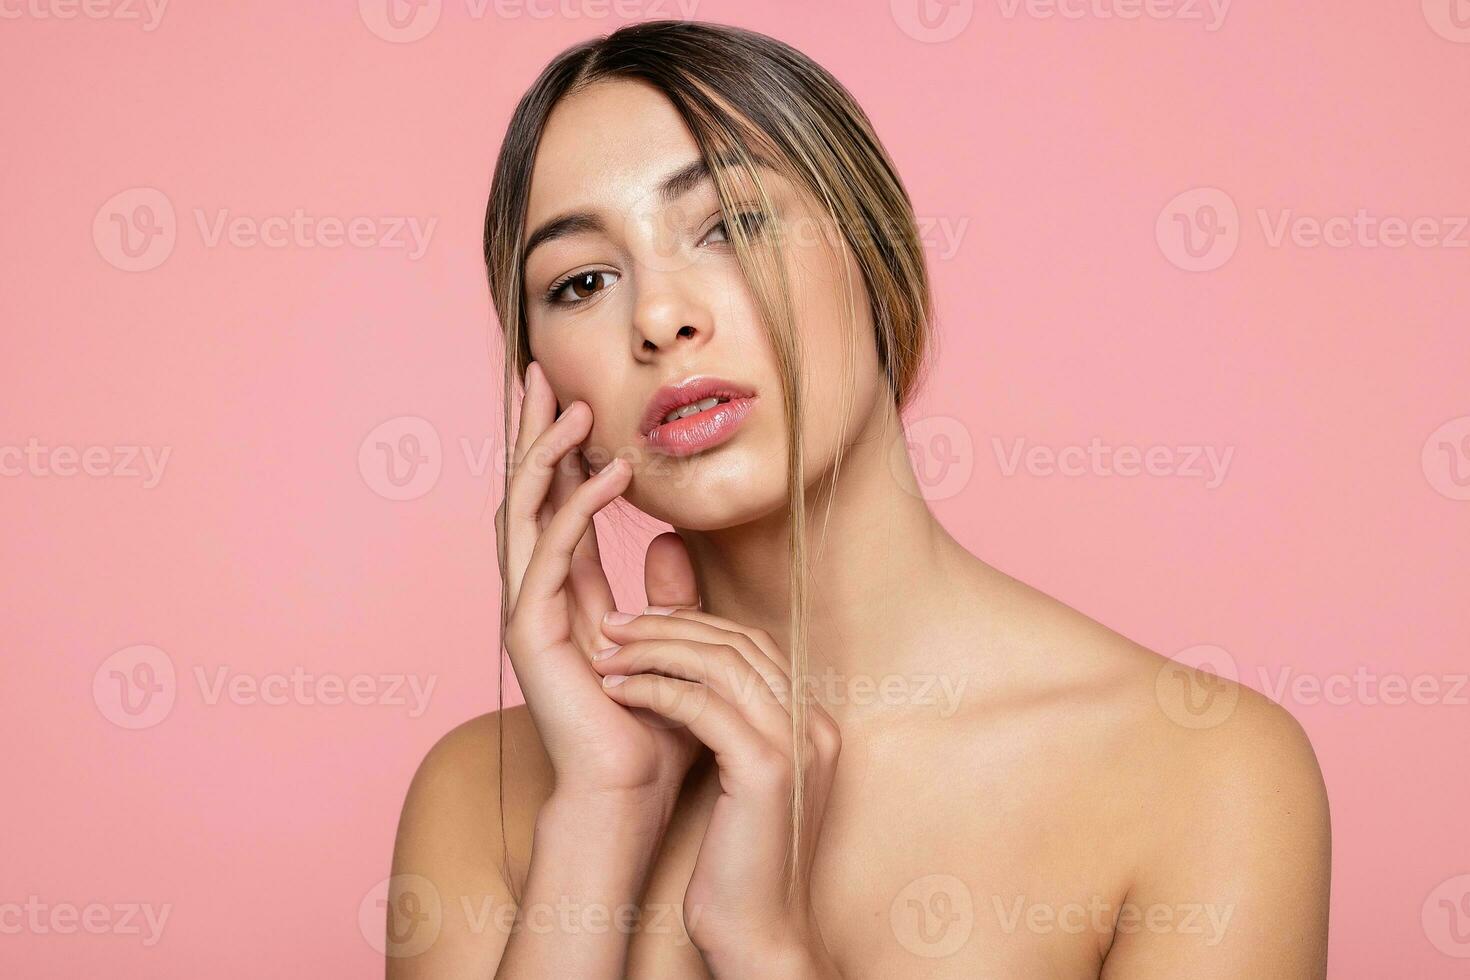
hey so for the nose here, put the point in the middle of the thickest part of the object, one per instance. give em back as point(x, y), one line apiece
point(664, 318)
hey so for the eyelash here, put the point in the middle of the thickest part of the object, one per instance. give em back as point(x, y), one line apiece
point(755, 218)
point(564, 281)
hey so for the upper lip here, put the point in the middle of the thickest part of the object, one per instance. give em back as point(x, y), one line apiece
point(694, 389)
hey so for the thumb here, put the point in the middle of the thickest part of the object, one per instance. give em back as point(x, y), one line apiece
point(668, 573)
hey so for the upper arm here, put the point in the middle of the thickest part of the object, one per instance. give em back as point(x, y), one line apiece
point(1234, 876)
point(449, 906)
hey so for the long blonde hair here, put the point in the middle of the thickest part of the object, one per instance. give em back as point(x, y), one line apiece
point(746, 99)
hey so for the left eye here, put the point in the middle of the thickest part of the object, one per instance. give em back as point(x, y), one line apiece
point(753, 221)
point(582, 286)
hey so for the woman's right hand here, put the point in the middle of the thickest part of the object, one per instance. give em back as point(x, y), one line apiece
point(558, 593)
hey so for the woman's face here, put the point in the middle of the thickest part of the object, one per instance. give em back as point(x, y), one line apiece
point(648, 293)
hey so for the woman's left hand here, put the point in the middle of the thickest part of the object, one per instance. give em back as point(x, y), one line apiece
point(730, 687)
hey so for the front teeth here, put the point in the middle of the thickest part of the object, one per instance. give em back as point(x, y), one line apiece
point(699, 406)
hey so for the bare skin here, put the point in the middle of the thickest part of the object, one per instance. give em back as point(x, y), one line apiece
point(1030, 795)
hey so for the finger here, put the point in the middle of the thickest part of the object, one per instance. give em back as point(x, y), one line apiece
point(762, 640)
point(538, 408)
point(529, 485)
point(668, 573)
point(721, 668)
point(591, 592)
point(551, 561)
point(682, 624)
point(740, 752)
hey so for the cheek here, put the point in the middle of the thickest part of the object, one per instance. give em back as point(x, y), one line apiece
point(576, 372)
point(838, 341)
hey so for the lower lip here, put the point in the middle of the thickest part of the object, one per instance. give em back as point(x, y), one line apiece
point(700, 431)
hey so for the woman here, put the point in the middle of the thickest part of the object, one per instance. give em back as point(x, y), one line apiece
point(836, 744)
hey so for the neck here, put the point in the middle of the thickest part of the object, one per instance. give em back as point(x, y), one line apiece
point(882, 571)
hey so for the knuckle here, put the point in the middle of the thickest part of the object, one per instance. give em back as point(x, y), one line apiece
point(729, 658)
point(747, 649)
point(828, 741)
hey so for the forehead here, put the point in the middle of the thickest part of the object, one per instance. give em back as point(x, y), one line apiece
point(605, 147)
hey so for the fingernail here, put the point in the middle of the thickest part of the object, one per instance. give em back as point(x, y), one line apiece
point(616, 618)
point(657, 610)
point(604, 654)
point(613, 680)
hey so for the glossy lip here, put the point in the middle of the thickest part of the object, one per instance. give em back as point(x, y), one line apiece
point(701, 431)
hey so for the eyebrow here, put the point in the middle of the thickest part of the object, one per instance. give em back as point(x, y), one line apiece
point(671, 188)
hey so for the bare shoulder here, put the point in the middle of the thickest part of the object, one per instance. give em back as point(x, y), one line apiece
point(1213, 788)
point(454, 802)
point(1240, 833)
point(450, 845)
point(1194, 725)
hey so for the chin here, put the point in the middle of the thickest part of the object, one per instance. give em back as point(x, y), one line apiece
point(707, 493)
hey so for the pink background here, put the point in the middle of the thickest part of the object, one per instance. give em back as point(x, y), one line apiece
point(1053, 147)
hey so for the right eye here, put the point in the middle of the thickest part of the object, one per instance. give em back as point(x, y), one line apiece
point(578, 287)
